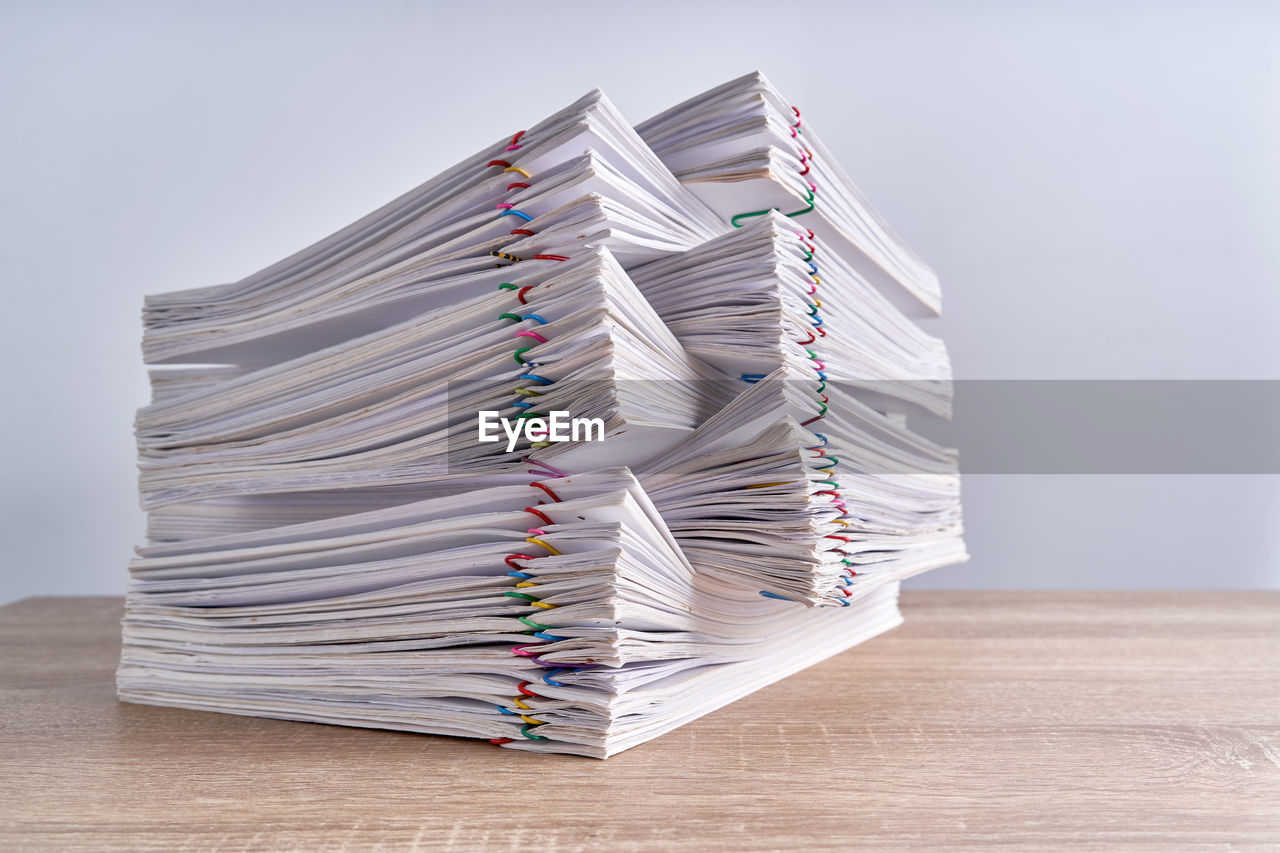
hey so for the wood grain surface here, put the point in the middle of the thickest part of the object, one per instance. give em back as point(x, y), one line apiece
point(1017, 720)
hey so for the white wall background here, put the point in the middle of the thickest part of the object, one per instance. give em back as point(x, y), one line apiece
point(1097, 184)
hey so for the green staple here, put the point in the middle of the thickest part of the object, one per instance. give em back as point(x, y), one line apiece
point(736, 224)
point(516, 354)
point(808, 200)
point(515, 317)
point(806, 210)
point(506, 285)
point(524, 730)
point(535, 625)
point(525, 596)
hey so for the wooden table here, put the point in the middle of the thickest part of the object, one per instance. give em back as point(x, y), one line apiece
point(992, 718)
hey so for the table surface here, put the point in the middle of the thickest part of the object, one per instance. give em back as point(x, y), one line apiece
point(1147, 720)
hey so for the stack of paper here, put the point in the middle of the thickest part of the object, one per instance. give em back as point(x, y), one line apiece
point(573, 443)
